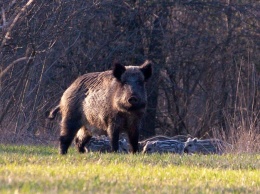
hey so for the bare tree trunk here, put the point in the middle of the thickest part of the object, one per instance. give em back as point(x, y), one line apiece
point(156, 54)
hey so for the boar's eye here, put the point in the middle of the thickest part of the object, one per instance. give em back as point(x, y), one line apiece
point(140, 83)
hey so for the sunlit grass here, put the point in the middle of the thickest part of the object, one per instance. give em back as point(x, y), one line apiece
point(39, 169)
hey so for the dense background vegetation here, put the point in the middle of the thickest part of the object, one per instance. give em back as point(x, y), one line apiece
point(206, 62)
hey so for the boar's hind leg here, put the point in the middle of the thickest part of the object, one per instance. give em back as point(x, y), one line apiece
point(133, 137)
point(82, 138)
point(69, 128)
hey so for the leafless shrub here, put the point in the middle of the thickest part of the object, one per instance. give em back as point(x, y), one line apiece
point(206, 56)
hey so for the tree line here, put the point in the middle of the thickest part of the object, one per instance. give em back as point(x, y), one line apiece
point(205, 53)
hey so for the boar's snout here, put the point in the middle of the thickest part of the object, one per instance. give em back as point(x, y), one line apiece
point(135, 103)
point(133, 100)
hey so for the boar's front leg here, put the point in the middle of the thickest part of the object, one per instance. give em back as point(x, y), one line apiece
point(113, 133)
point(133, 136)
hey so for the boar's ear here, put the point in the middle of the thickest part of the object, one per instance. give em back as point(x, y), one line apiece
point(146, 69)
point(118, 70)
point(189, 139)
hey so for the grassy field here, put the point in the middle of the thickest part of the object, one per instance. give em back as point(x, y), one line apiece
point(39, 169)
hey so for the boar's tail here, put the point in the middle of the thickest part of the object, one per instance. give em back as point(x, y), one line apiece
point(52, 114)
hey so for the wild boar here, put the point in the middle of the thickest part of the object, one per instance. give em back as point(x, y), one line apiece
point(154, 138)
point(181, 138)
point(102, 144)
point(206, 146)
point(114, 101)
point(164, 146)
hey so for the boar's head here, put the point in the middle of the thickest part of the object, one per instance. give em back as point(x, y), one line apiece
point(130, 94)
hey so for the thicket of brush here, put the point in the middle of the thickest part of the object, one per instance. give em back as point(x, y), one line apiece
point(206, 63)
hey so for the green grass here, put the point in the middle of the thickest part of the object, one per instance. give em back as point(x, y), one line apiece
point(39, 169)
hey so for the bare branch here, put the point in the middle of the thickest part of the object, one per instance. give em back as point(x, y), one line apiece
point(12, 64)
point(12, 24)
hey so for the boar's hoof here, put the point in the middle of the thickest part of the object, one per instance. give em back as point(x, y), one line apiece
point(63, 150)
point(80, 147)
